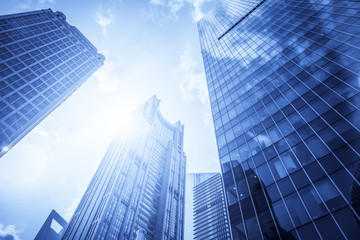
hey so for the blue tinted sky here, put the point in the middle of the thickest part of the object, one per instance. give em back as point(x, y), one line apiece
point(151, 47)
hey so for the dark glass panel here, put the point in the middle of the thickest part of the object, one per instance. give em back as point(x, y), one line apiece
point(282, 216)
point(349, 223)
point(308, 232)
point(328, 229)
point(329, 194)
point(297, 210)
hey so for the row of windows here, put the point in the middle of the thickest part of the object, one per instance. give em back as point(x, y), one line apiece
point(147, 202)
point(11, 23)
point(284, 97)
point(36, 72)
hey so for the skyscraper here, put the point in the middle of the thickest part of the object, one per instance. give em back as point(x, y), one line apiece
point(192, 179)
point(43, 60)
point(283, 79)
point(53, 227)
point(210, 212)
point(138, 190)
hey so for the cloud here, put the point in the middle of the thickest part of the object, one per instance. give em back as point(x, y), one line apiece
point(30, 171)
point(108, 77)
point(24, 5)
point(197, 11)
point(70, 210)
point(28, 4)
point(157, 16)
point(158, 2)
point(173, 6)
point(206, 119)
point(47, 1)
point(104, 19)
point(192, 83)
point(262, 139)
point(8, 233)
point(41, 131)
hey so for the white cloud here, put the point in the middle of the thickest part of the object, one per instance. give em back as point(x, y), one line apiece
point(261, 138)
point(192, 83)
point(75, 202)
point(155, 15)
point(71, 209)
point(8, 233)
point(47, 1)
point(197, 11)
point(174, 6)
point(41, 131)
point(104, 19)
point(108, 77)
point(158, 2)
point(24, 5)
point(30, 163)
point(206, 119)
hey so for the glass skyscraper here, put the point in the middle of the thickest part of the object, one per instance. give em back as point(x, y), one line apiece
point(53, 227)
point(43, 60)
point(284, 80)
point(210, 212)
point(138, 190)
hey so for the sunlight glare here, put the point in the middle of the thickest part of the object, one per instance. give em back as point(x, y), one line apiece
point(5, 149)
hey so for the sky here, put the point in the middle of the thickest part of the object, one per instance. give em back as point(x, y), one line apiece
point(151, 47)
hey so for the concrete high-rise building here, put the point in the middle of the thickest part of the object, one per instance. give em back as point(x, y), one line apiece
point(283, 79)
point(192, 179)
point(138, 190)
point(210, 212)
point(43, 60)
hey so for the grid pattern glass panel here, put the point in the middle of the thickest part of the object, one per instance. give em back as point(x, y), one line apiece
point(283, 79)
point(42, 61)
point(138, 190)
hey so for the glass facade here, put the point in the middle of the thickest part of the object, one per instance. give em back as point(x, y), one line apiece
point(53, 227)
point(210, 212)
point(284, 80)
point(43, 60)
point(138, 190)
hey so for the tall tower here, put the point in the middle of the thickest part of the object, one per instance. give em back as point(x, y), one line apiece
point(192, 179)
point(138, 190)
point(283, 79)
point(211, 219)
point(53, 227)
point(43, 60)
